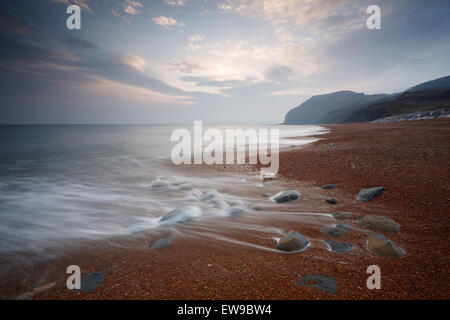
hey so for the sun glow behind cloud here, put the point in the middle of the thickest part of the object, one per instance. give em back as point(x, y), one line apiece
point(291, 54)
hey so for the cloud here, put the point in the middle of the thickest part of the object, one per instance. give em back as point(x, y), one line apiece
point(174, 3)
point(185, 67)
point(231, 64)
point(12, 24)
point(75, 43)
point(119, 91)
point(292, 92)
point(208, 82)
point(86, 70)
point(194, 42)
point(167, 22)
point(317, 17)
point(81, 3)
point(225, 7)
point(278, 73)
point(197, 37)
point(135, 62)
point(131, 7)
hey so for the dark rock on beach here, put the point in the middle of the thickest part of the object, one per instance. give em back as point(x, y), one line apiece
point(92, 281)
point(342, 215)
point(162, 243)
point(318, 281)
point(369, 194)
point(332, 200)
point(338, 246)
point(258, 207)
point(329, 186)
point(236, 211)
point(294, 241)
point(286, 196)
point(159, 184)
point(176, 216)
point(380, 223)
point(336, 230)
point(380, 245)
point(208, 197)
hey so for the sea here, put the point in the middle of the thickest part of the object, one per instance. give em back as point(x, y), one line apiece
point(61, 184)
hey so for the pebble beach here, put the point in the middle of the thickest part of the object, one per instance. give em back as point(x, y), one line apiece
point(324, 247)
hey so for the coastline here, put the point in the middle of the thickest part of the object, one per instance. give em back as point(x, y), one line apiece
point(409, 159)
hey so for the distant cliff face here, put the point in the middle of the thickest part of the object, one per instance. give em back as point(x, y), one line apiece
point(408, 102)
point(348, 106)
point(438, 84)
point(329, 108)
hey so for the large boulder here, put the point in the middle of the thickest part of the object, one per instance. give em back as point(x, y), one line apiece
point(380, 245)
point(286, 196)
point(369, 194)
point(380, 223)
point(294, 241)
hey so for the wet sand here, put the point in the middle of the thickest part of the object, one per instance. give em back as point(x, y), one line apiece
point(409, 159)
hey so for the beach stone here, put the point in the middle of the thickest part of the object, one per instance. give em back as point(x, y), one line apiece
point(236, 211)
point(162, 243)
point(92, 281)
point(294, 241)
point(332, 200)
point(159, 184)
point(380, 245)
point(380, 223)
point(185, 187)
point(336, 230)
point(329, 186)
point(286, 196)
point(176, 216)
point(317, 281)
point(208, 197)
point(342, 215)
point(258, 207)
point(338, 246)
point(369, 194)
point(266, 195)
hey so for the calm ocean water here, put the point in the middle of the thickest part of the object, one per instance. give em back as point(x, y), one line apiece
point(64, 183)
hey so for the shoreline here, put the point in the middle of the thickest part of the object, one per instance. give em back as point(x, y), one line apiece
point(409, 159)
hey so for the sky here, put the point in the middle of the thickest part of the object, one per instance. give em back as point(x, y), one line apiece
point(222, 62)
